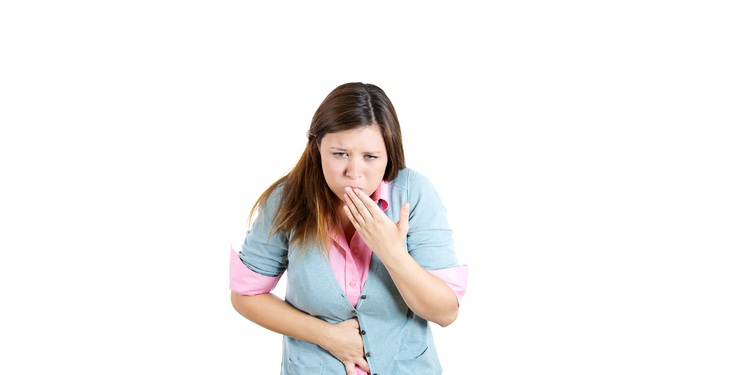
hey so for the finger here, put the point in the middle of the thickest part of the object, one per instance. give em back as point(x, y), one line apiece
point(356, 204)
point(350, 370)
point(349, 198)
point(404, 214)
point(351, 209)
point(403, 221)
point(350, 215)
point(367, 201)
point(362, 363)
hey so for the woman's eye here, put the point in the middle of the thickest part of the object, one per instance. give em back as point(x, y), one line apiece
point(370, 157)
point(339, 154)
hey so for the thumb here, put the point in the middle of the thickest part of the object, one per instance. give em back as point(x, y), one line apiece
point(403, 222)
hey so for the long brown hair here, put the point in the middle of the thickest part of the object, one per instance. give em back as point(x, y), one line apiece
point(308, 207)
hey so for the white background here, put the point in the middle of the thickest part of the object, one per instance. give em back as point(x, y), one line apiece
point(593, 157)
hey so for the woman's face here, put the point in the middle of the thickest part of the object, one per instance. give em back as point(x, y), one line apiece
point(355, 158)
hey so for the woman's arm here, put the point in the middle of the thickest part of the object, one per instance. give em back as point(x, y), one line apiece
point(342, 340)
point(425, 294)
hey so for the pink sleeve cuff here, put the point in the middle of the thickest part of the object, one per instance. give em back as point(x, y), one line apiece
point(456, 279)
point(245, 281)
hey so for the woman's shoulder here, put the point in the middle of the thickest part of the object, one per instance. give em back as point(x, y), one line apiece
point(272, 199)
point(411, 178)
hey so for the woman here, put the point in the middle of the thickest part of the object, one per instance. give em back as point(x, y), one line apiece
point(365, 245)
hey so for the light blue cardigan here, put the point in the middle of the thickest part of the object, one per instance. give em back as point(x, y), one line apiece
point(396, 340)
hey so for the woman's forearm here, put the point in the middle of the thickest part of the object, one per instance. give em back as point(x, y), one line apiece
point(424, 293)
point(271, 312)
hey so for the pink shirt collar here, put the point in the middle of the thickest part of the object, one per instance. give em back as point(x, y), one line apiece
point(380, 196)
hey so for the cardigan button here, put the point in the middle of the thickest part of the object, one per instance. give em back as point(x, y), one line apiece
point(364, 296)
point(362, 332)
point(367, 354)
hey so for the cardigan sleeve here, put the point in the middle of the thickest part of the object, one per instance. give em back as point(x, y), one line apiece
point(261, 260)
point(430, 237)
point(245, 281)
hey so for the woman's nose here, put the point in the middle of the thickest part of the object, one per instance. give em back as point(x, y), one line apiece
point(352, 169)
